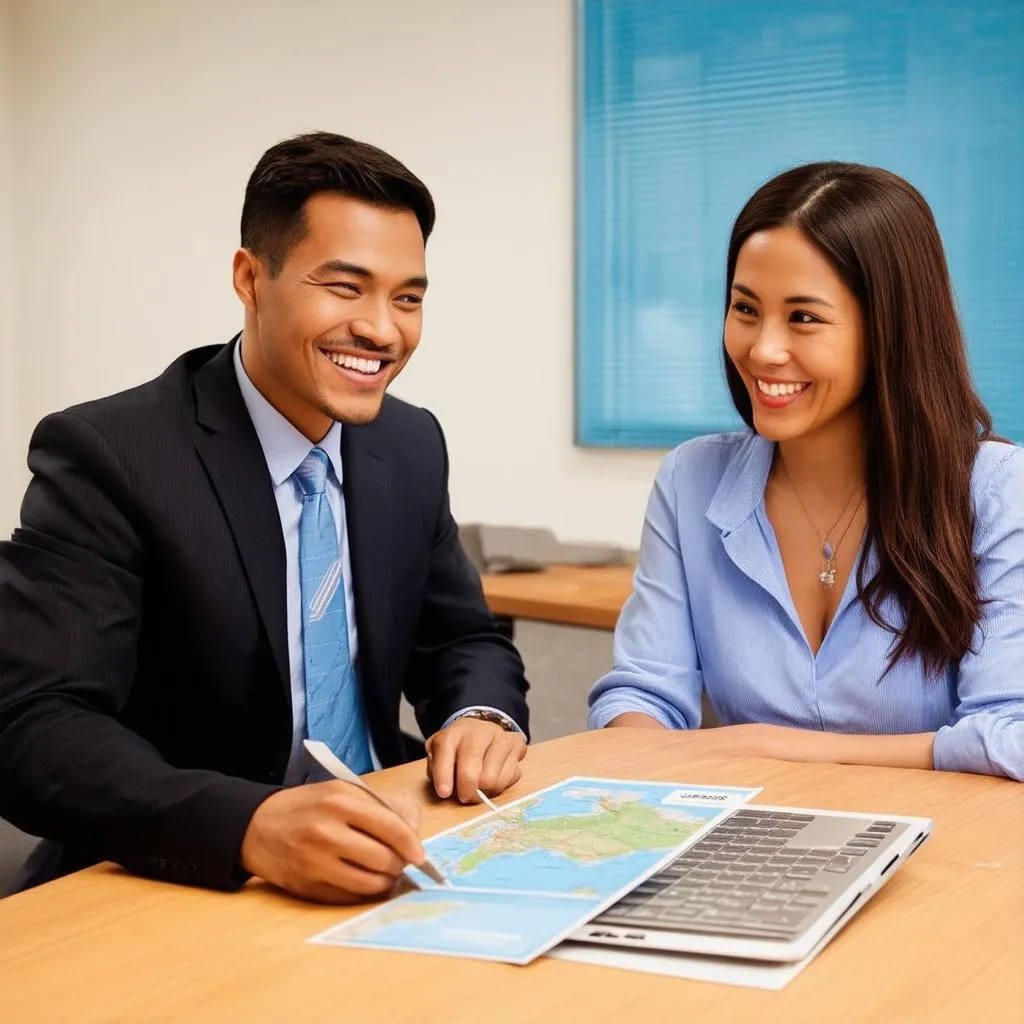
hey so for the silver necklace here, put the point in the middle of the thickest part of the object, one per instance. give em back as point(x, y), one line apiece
point(827, 575)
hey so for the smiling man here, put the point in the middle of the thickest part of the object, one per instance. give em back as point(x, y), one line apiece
point(254, 549)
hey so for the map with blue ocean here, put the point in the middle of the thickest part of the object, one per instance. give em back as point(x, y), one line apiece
point(527, 875)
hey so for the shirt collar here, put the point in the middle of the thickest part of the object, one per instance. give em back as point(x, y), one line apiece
point(284, 447)
point(741, 490)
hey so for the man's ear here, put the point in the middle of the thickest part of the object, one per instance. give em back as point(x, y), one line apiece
point(243, 276)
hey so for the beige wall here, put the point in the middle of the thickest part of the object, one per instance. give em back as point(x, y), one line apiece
point(12, 474)
point(139, 123)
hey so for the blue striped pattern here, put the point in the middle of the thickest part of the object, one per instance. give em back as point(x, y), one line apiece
point(284, 448)
point(334, 704)
point(686, 108)
point(711, 609)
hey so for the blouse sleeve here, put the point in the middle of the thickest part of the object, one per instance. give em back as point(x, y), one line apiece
point(656, 667)
point(986, 733)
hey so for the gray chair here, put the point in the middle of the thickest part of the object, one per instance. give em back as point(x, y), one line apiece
point(529, 549)
point(15, 846)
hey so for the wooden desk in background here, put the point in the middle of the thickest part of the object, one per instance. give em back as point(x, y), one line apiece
point(942, 941)
point(568, 595)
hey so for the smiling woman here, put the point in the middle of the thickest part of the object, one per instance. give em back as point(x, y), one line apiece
point(846, 579)
point(796, 341)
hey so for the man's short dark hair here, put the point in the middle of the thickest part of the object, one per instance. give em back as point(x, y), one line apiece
point(288, 174)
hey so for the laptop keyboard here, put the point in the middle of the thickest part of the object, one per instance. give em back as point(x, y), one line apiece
point(751, 876)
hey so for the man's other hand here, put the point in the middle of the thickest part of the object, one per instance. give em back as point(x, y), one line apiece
point(471, 754)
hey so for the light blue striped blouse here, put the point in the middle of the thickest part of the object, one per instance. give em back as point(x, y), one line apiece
point(711, 609)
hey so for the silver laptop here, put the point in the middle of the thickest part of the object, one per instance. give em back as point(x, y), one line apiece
point(766, 883)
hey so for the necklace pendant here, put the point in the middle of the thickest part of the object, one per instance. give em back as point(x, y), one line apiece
point(828, 552)
point(827, 578)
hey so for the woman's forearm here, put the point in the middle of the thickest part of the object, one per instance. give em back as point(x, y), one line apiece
point(901, 751)
point(635, 720)
point(912, 750)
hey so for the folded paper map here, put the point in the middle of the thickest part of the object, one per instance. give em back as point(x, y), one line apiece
point(527, 875)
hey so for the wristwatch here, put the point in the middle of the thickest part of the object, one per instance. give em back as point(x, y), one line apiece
point(494, 717)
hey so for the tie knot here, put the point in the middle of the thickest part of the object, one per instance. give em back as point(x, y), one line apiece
point(312, 474)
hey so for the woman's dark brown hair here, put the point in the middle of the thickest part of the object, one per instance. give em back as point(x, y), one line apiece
point(923, 418)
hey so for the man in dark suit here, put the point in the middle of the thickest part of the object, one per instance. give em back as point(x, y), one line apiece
point(253, 549)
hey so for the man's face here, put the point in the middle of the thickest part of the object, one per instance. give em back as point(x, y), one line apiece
point(326, 336)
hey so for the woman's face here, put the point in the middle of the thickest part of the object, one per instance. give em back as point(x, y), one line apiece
point(794, 333)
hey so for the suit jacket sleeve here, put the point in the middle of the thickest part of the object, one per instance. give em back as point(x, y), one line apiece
point(459, 658)
point(72, 583)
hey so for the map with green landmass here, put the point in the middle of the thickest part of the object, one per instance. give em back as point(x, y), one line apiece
point(615, 825)
point(576, 839)
point(527, 875)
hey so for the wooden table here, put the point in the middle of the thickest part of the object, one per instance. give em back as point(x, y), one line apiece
point(942, 941)
point(569, 595)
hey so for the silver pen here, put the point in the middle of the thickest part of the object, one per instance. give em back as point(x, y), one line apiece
point(480, 794)
point(490, 804)
point(330, 762)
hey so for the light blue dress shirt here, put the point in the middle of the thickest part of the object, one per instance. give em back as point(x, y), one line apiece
point(711, 609)
point(284, 448)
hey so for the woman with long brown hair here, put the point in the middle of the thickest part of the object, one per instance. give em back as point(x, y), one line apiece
point(845, 580)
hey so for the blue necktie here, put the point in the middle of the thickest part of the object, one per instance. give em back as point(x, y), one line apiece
point(334, 705)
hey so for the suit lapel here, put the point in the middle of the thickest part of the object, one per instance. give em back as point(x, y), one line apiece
point(230, 451)
point(367, 489)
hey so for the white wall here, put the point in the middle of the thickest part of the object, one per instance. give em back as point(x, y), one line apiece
point(12, 473)
point(139, 123)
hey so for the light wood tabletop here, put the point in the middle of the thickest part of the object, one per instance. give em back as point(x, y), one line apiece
point(942, 941)
point(569, 595)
